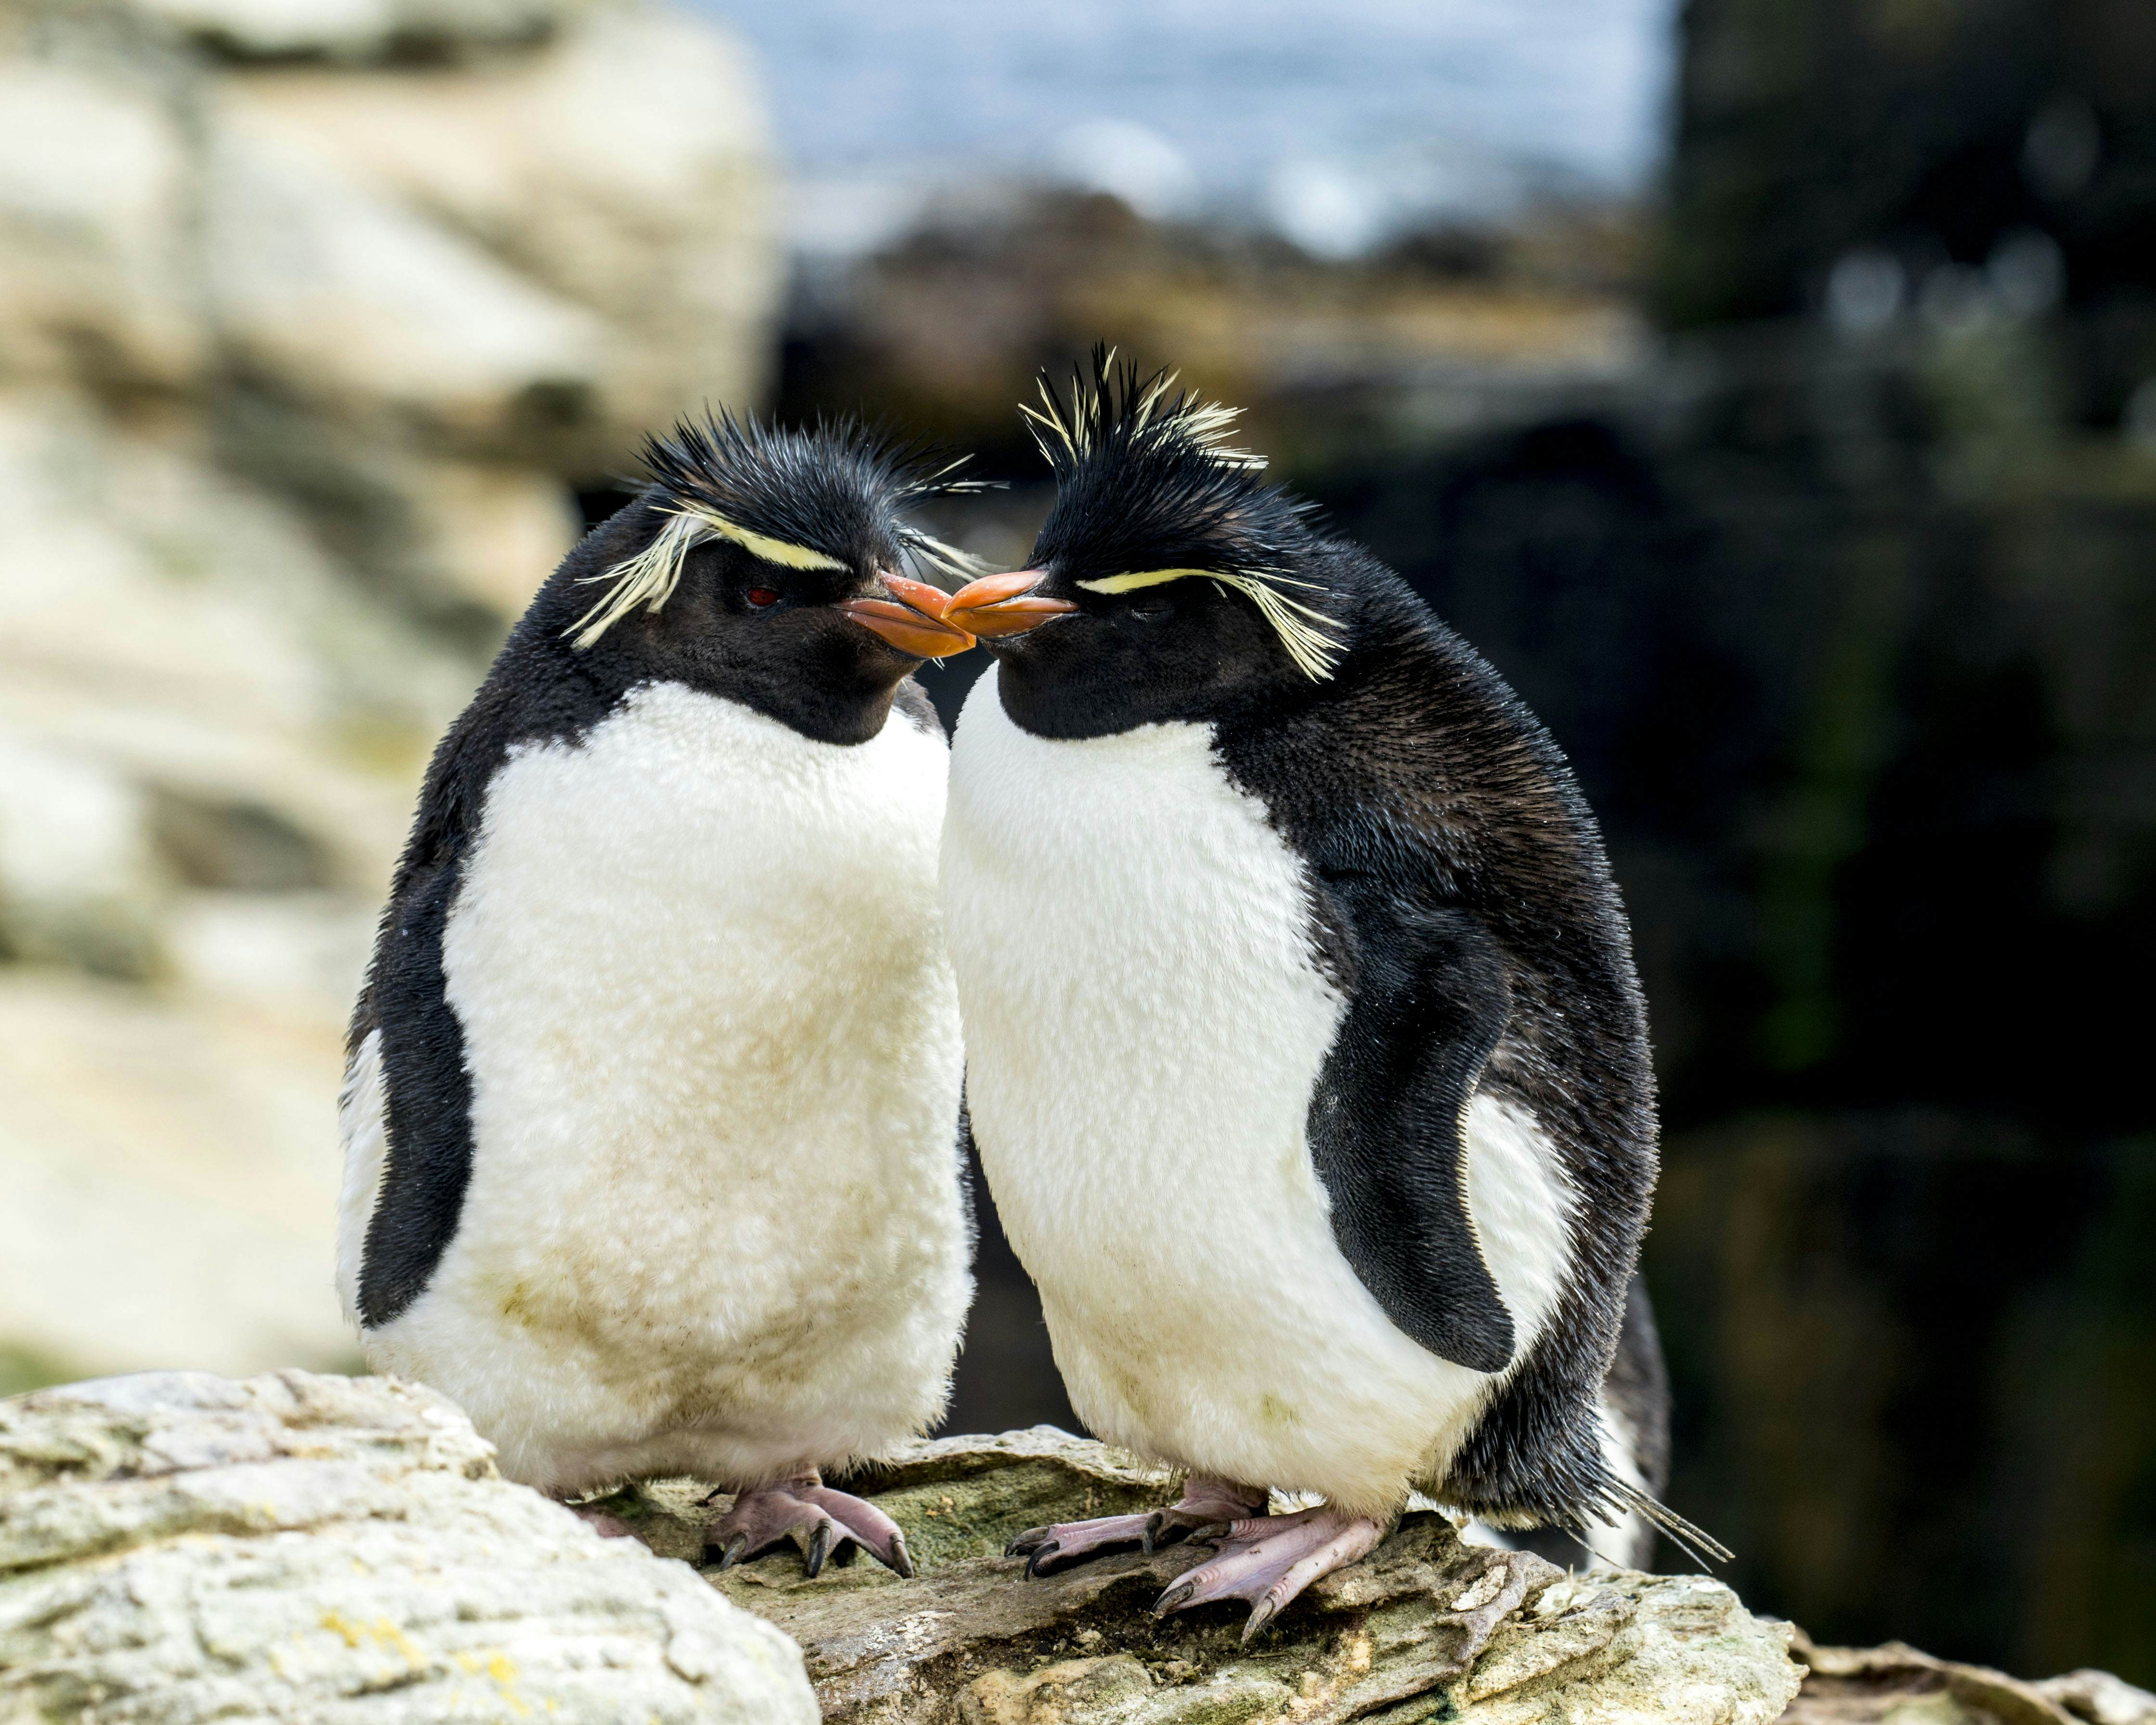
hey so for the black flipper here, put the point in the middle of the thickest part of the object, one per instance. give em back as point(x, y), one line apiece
point(428, 1095)
point(1430, 1001)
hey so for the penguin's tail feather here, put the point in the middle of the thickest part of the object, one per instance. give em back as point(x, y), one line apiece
point(1698, 1544)
point(1587, 1491)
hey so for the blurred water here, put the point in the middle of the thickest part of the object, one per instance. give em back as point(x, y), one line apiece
point(1334, 119)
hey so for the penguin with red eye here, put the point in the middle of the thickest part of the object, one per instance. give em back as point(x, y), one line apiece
point(651, 1115)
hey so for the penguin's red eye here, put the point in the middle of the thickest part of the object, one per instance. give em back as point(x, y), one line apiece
point(762, 597)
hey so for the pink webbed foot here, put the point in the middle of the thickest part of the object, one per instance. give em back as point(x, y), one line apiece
point(825, 1524)
point(1204, 1503)
point(1269, 1559)
point(605, 1526)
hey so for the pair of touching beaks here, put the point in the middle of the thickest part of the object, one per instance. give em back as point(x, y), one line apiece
point(926, 621)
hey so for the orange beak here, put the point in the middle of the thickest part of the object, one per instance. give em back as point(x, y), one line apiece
point(911, 620)
point(998, 605)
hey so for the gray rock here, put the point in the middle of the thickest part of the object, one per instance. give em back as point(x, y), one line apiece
point(1428, 1627)
point(176, 1547)
point(356, 29)
point(314, 316)
point(1859, 1685)
point(102, 274)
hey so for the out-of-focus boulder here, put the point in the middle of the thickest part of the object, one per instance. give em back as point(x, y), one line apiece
point(102, 274)
point(1873, 1686)
point(359, 29)
point(363, 308)
point(77, 882)
point(288, 432)
point(622, 165)
point(170, 1179)
point(179, 1547)
point(174, 621)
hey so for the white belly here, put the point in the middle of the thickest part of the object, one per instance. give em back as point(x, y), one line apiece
point(714, 1224)
point(1145, 1026)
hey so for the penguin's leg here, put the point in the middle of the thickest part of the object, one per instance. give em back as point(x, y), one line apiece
point(1205, 1502)
point(823, 1523)
point(1269, 1559)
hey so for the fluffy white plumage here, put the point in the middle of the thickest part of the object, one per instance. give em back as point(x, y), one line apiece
point(1145, 1024)
point(715, 1223)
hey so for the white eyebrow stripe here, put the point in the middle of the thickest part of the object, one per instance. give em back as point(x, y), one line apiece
point(1301, 627)
point(771, 551)
point(1145, 577)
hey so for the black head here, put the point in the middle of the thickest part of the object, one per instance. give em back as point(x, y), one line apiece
point(1169, 581)
point(764, 565)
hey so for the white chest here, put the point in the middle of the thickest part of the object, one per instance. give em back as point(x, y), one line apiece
point(715, 1054)
point(688, 939)
point(1131, 947)
point(1146, 1023)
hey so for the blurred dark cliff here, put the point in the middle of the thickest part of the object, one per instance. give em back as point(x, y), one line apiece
point(1834, 571)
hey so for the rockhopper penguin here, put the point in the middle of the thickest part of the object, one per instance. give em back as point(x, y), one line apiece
point(1306, 1060)
point(651, 1110)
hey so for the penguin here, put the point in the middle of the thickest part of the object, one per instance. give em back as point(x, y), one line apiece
point(1306, 1060)
point(651, 1113)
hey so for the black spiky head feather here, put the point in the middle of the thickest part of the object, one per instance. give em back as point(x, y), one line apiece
point(1147, 490)
point(830, 496)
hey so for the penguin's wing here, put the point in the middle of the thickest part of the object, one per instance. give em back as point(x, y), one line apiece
point(1429, 1000)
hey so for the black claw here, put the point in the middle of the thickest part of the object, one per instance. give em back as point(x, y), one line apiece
point(845, 1552)
point(1261, 1614)
point(900, 1559)
point(1173, 1597)
point(736, 1549)
point(1025, 1542)
point(820, 1548)
point(1041, 1557)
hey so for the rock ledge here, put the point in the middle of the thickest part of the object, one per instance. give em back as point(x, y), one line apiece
point(176, 1547)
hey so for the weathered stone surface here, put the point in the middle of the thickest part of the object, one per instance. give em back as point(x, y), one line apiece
point(102, 274)
point(1857, 1686)
point(176, 1547)
point(313, 315)
point(362, 306)
point(622, 169)
point(357, 29)
point(1428, 1628)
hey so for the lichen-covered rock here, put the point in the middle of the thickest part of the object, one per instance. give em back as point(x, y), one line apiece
point(1429, 1627)
point(176, 1547)
point(1860, 1686)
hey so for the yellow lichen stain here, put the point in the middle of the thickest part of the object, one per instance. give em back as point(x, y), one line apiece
point(391, 1635)
point(502, 1669)
point(382, 1630)
point(1275, 1412)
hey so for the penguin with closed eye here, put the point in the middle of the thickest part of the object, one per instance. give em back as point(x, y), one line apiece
point(651, 1113)
point(1306, 1059)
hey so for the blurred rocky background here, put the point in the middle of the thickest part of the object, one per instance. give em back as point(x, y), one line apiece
point(313, 315)
point(1785, 431)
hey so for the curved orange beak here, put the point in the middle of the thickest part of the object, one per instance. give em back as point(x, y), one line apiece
point(998, 605)
point(911, 620)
